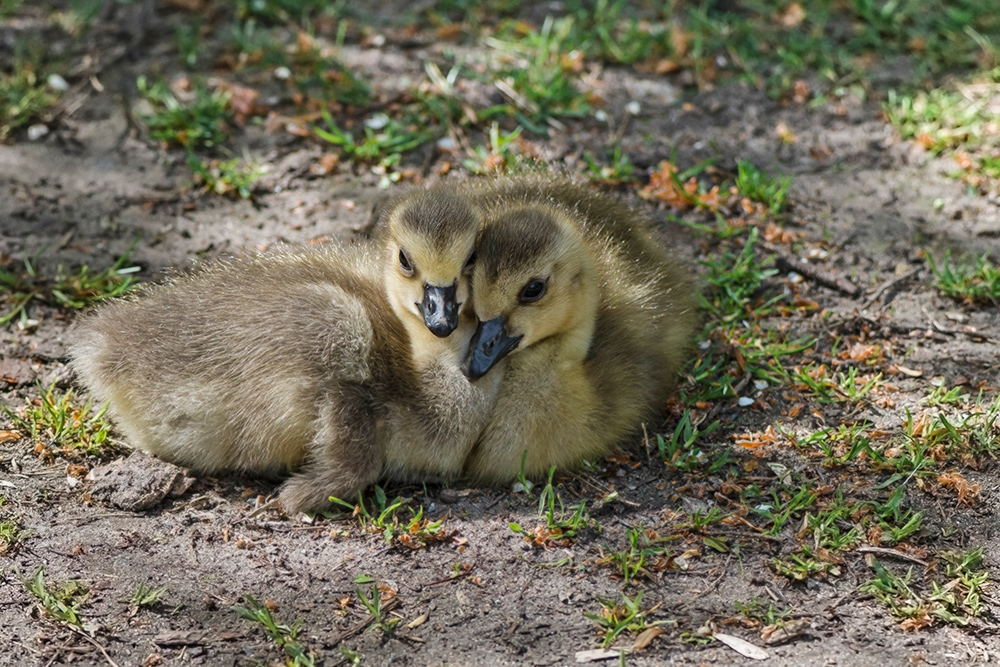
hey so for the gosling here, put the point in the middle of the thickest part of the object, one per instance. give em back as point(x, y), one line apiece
point(318, 360)
point(584, 314)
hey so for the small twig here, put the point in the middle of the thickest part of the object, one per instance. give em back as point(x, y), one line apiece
point(884, 287)
point(982, 338)
point(360, 626)
point(882, 551)
point(260, 510)
point(95, 643)
point(787, 262)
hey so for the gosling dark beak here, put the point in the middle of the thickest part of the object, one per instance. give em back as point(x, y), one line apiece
point(440, 309)
point(489, 345)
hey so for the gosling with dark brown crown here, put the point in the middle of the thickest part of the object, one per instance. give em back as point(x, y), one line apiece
point(584, 314)
point(314, 359)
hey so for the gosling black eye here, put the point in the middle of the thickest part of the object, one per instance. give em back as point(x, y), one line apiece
point(469, 262)
point(404, 262)
point(533, 291)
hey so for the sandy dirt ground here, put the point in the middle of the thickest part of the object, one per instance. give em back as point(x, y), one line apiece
point(94, 186)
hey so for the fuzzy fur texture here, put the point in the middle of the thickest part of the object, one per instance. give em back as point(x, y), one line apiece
point(296, 360)
point(600, 350)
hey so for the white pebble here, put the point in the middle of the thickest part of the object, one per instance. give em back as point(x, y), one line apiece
point(377, 121)
point(601, 116)
point(633, 108)
point(37, 131)
point(745, 401)
point(760, 385)
point(282, 73)
point(57, 83)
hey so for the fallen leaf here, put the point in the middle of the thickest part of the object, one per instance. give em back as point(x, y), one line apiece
point(742, 646)
point(785, 134)
point(646, 637)
point(596, 654)
point(10, 436)
point(418, 621)
point(717, 543)
point(793, 16)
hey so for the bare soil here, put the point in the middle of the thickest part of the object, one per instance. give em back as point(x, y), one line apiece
point(85, 192)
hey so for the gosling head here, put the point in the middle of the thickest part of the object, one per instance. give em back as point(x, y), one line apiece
point(534, 281)
point(431, 236)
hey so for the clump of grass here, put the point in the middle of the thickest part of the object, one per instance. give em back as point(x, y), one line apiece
point(680, 453)
point(284, 635)
point(736, 347)
point(736, 282)
point(754, 184)
point(24, 96)
point(645, 551)
point(11, 535)
point(500, 156)
point(768, 617)
point(146, 595)
point(381, 516)
point(561, 525)
point(62, 603)
point(56, 419)
point(322, 79)
point(604, 30)
point(616, 618)
point(373, 603)
point(618, 172)
point(804, 563)
point(539, 74)
point(232, 178)
point(977, 281)
point(783, 504)
point(202, 123)
point(382, 138)
point(955, 601)
point(18, 289)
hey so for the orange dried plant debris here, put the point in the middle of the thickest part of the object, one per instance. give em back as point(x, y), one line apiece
point(967, 492)
point(869, 354)
point(664, 186)
point(776, 233)
point(758, 439)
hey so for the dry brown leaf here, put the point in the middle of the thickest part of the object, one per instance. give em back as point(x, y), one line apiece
point(646, 637)
point(784, 133)
point(10, 436)
point(793, 16)
point(417, 622)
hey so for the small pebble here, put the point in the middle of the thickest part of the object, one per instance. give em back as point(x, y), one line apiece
point(633, 108)
point(37, 131)
point(57, 83)
point(282, 73)
point(447, 144)
point(377, 121)
point(601, 116)
point(745, 401)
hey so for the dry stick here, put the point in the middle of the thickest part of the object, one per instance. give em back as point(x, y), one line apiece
point(884, 287)
point(975, 335)
point(94, 642)
point(893, 553)
point(360, 626)
point(787, 262)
